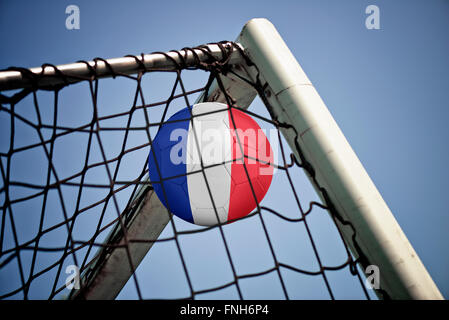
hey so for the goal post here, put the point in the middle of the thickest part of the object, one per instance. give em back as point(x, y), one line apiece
point(48, 75)
point(337, 171)
point(258, 63)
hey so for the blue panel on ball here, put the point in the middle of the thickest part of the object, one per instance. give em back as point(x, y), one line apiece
point(176, 188)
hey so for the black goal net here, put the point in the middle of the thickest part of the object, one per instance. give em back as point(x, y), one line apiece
point(74, 169)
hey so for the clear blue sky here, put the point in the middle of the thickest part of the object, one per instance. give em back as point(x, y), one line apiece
point(387, 89)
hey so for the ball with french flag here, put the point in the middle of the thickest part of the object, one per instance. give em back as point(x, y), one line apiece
point(210, 164)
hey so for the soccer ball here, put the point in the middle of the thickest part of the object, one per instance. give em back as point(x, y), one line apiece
point(210, 163)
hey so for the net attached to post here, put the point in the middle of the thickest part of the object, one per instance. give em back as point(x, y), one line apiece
point(74, 157)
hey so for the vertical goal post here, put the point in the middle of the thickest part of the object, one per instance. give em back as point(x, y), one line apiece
point(338, 175)
point(362, 216)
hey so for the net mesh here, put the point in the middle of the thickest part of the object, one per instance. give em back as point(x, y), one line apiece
point(74, 172)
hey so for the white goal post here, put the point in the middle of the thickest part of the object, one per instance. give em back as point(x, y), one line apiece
point(294, 100)
point(337, 167)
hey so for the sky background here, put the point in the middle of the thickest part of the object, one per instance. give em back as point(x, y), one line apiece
point(387, 89)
